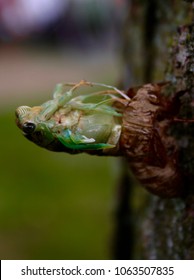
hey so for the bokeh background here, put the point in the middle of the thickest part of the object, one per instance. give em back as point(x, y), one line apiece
point(54, 205)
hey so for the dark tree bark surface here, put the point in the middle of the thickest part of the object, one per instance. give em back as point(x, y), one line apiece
point(164, 228)
point(171, 222)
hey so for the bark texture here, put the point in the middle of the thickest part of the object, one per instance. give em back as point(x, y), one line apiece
point(171, 222)
point(164, 227)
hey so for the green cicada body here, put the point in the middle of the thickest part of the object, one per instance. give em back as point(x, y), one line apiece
point(74, 123)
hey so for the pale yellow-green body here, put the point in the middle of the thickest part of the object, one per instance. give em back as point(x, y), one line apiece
point(73, 122)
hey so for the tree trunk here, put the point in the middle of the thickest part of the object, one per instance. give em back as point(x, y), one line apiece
point(164, 227)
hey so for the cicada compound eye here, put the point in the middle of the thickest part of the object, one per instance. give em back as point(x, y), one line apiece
point(28, 127)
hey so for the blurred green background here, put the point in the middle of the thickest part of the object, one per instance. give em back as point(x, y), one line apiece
point(55, 205)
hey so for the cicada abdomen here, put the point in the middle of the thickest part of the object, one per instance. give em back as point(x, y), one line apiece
point(150, 151)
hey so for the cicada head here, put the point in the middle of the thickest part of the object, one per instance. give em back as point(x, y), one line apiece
point(24, 119)
point(33, 128)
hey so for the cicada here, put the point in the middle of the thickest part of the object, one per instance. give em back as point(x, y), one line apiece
point(108, 121)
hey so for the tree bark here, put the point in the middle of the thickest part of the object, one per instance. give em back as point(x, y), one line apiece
point(164, 227)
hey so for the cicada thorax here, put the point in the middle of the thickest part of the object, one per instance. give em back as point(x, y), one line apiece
point(144, 142)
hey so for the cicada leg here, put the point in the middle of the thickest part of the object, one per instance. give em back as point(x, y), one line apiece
point(60, 99)
point(183, 120)
point(102, 106)
point(85, 83)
